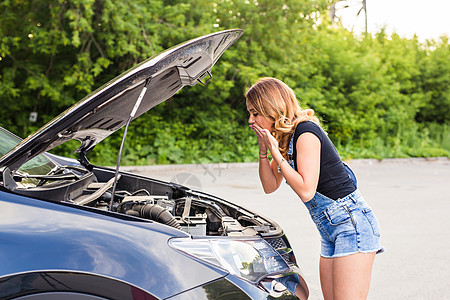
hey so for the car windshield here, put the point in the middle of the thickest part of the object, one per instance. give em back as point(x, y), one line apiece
point(39, 165)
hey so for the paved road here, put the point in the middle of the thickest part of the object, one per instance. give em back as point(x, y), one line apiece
point(411, 198)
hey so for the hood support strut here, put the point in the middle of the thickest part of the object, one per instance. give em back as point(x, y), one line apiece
point(84, 161)
point(133, 113)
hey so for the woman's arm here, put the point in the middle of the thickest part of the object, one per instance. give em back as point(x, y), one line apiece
point(269, 176)
point(304, 182)
point(268, 172)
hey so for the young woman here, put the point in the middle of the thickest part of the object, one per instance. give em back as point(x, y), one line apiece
point(304, 156)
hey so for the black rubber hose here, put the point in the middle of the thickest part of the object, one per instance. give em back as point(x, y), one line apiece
point(133, 213)
point(157, 213)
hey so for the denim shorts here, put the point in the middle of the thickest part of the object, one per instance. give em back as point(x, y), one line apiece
point(346, 225)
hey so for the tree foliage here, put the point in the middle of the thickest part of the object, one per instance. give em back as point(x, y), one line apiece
point(377, 96)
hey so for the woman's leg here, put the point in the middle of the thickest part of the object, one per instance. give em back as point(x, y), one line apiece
point(302, 291)
point(351, 276)
point(326, 277)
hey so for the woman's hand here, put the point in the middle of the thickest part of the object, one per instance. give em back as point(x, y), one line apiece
point(265, 139)
point(268, 173)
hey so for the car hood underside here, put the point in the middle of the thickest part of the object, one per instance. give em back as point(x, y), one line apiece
point(126, 97)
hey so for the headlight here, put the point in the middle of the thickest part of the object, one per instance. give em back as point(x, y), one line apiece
point(251, 259)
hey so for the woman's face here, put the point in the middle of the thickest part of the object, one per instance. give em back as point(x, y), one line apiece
point(257, 119)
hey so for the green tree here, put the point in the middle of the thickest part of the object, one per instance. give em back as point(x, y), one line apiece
point(377, 96)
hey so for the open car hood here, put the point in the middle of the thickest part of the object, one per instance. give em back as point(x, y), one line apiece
point(109, 108)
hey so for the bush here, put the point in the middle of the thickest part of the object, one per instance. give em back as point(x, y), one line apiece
point(377, 96)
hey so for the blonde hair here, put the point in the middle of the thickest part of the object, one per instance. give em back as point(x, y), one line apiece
point(276, 101)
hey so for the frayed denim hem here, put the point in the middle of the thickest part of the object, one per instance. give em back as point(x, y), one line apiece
point(378, 251)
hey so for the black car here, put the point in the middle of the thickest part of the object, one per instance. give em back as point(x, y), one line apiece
point(73, 230)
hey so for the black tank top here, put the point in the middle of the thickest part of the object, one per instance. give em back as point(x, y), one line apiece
point(334, 181)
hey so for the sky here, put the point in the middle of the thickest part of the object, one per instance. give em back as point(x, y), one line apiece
point(429, 19)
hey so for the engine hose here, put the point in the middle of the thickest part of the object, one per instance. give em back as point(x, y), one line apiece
point(133, 213)
point(157, 213)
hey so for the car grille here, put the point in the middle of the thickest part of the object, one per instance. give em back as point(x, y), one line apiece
point(287, 258)
point(285, 251)
point(277, 243)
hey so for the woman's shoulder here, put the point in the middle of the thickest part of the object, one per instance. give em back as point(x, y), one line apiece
point(308, 126)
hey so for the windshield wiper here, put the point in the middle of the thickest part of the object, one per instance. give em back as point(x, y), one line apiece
point(49, 177)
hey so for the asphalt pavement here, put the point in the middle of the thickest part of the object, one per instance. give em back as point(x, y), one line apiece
point(411, 198)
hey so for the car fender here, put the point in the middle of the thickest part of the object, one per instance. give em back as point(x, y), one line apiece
point(39, 236)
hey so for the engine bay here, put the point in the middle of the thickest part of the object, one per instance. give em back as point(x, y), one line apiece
point(194, 212)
